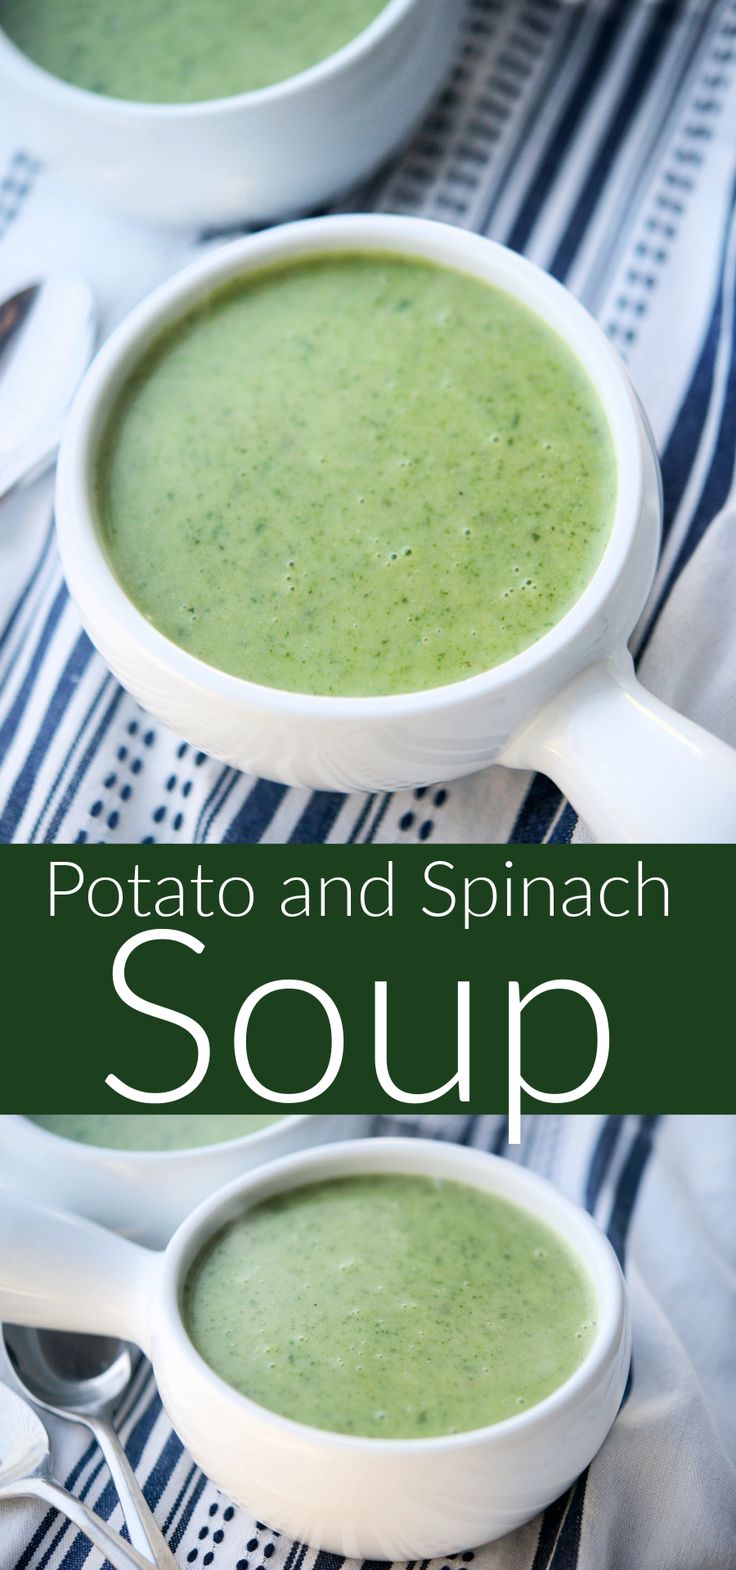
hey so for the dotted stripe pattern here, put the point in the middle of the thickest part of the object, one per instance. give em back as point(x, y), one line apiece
point(16, 186)
point(664, 216)
point(118, 785)
point(212, 1532)
point(486, 88)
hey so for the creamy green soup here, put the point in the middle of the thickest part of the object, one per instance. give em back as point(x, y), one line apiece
point(181, 51)
point(393, 1307)
point(153, 1130)
point(356, 475)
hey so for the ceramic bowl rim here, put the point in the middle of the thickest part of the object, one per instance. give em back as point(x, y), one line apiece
point(608, 1283)
point(27, 1129)
point(67, 95)
point(83, 554)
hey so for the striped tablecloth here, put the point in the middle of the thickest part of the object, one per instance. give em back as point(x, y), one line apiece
point(600, 139)
point(660, 1495)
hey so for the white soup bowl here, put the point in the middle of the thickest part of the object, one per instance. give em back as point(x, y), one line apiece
point(367, 1498)
point(569, 704)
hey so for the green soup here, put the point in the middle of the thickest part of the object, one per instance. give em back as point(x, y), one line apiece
point(357, 475)
point(393, 1307)
point(181, 51)
point(153, 1130)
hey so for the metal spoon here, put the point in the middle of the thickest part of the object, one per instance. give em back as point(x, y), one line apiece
point(81, 1378)
point(47, 335)
point(25, 1472)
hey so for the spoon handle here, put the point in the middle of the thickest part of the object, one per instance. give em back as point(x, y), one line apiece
point(119, 1553)
point(144, 1533)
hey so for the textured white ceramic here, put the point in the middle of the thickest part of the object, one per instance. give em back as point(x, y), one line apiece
point(145, 1194)
point(253, 158)
point(365, 1498)
point(569, 704)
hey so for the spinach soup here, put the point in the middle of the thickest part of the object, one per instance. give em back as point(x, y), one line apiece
point(156, 51)
point(153, 1130)
point(391, 1307)
point(356, 475)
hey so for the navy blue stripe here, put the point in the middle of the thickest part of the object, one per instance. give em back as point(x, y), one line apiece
point(187, 1514)
point(567, 1548)
point(163, 1467)
point(565, 1556)
point(645, 66)
point(107, 680)
point(223, 776)
point(378, 820)
point(599, 1167)
point(694, 22)
point(296, 1556)
point(162, 1470)
point(136, 1390)
point(543, 800)
point(468, 1130)
point(80, 1467)
point(686, 433)
point(325, 1561)
point(291, 1556)
point(52, 1517)
point(21, 699)
point(549, 1531)
point(541, 803)
point(255, 814)
point(718, 482)
point(317, 818)
point(107, 1501)
point(75, 666)
point(613, 24)
point(65, 1527)
point(360, 820)
point(81, 769)
point(564, 828)
point(80, 1547)
point(142, 1429)
point(603, 1154)
point(22, 599)
point(235, 779)
point(182, 1491)
point(629, 1184)
point(564, 45)
point(501, 1137)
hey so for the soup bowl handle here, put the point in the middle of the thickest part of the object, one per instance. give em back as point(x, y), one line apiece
point(60, 1272)
point(635, 770)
